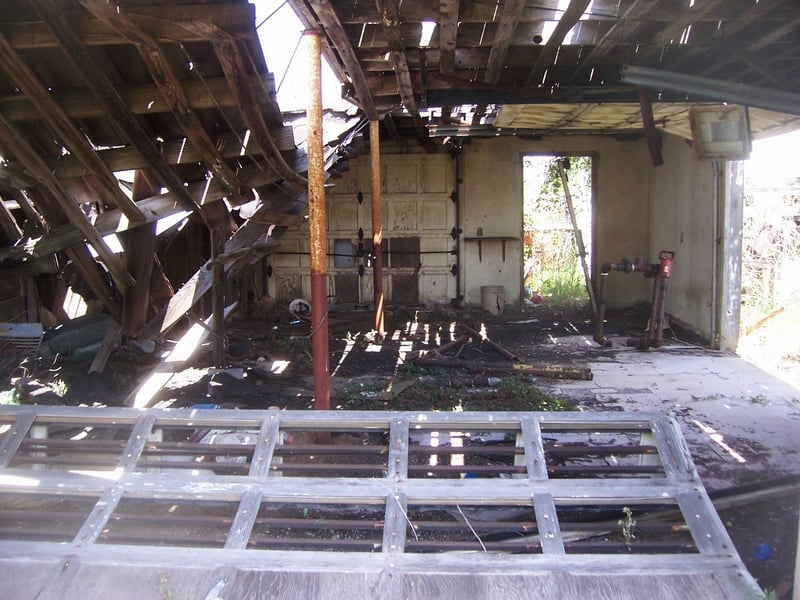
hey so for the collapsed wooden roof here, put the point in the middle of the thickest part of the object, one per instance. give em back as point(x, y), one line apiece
point(461, 67)
point(177, 92)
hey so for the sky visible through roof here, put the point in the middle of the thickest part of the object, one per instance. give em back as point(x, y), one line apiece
point(286, 54)
point(772, 163)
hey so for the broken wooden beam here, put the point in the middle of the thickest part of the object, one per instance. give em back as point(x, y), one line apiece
point(541, 370)
point(170, 87)
point(485, 339)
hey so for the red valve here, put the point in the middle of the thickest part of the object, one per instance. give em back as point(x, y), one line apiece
point(665, 259)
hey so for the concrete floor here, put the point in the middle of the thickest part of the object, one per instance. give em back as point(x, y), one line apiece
point(742, 427)
point(741, 423)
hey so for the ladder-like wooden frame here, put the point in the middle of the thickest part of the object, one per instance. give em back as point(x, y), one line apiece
point(390, 572)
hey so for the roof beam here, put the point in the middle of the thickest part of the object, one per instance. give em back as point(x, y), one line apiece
point(65, 129)
point(64, 202)
point(169, 86)
point(506, 27)
point(51, 13)
point(338, 38)
point(448, 35)
point(77, 103)
point(154, 208)
point(567, 21)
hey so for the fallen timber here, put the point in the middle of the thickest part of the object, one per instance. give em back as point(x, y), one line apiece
point(540, 370)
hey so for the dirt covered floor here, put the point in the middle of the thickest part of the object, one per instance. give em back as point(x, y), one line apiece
point(269, 365)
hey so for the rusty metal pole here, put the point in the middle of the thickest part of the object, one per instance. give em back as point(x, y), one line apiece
point(377, 227)
point(316, 214)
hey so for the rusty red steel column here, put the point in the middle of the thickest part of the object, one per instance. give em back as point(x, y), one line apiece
point(316, 218)
point(377, 228)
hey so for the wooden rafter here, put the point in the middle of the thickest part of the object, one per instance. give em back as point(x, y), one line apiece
point(63, 200)
point(234, 61)
point(174, 152)
point(506, 26)
point(448, 35)
point(336, 34)
point(162, 23)
point(567, 21)
point(170, 87)
point(50, 11)
point(747, 17)
point(403, 74)
point(389, 15)
point(775, 34)
point(65, 129)
point(87, 268)
point(624, 29)
point(8, 224)
point(154, 208)
point(683, 20)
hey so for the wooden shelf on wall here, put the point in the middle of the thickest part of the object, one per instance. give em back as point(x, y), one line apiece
point(491, 238)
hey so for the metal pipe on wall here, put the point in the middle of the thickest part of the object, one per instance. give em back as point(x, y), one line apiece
point(316, 214)
point(377, 227)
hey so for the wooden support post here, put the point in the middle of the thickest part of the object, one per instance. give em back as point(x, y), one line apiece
point(377, 227)
point(140, 246)
point(651, 133)
point(218, 299)
point(318, 242)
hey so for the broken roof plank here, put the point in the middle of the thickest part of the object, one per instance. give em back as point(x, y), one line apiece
point(567, 21)
point(506, 27)
point(448, 35)
point(170, 87)
point(236, 64)
point(623, 30)
point(143, 395)
point(159, 207)
point(335, 31)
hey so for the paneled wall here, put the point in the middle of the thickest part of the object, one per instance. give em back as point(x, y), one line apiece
point(418, 216)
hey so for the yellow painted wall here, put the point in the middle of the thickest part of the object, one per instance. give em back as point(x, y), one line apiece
point(638, 211)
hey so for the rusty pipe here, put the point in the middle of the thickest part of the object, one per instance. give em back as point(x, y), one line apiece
point(316, 219)
point(599, 335)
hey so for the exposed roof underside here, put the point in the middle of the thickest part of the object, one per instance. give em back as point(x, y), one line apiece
point(177, 92)
point(546, 65)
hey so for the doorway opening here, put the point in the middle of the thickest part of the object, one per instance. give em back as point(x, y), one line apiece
point(770, 313)
point(552, 269)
